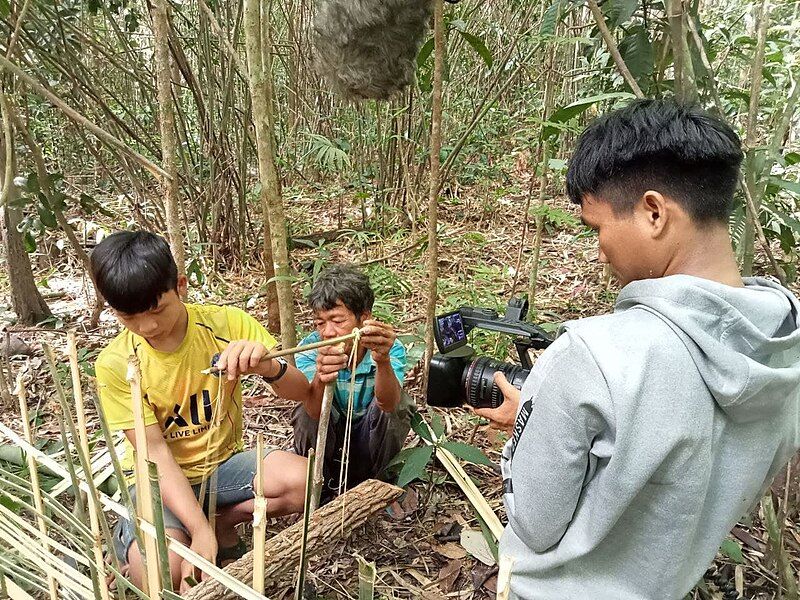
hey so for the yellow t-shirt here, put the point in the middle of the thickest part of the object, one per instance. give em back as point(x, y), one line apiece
point(176, 394)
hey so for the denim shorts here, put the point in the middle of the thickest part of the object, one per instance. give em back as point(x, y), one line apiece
point(234, 484)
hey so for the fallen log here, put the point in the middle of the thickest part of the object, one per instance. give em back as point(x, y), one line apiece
point(326, 530)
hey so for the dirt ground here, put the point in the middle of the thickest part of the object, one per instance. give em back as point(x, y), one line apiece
point(415, 546)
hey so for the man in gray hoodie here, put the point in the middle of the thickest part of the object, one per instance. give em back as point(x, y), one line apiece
point(642, 436)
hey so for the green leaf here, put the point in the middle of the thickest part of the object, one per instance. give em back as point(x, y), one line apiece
point(29, 242)
point(479, 46)
point(732, 550)
point(420, 428)
point(637, 52)
point(437, 425)
point(619, 11)
point(791, 158)
point(400, 457)
point(572, 110)
point(5, 8)
point(467, 452)
point(425, 52)
point(789, 186)
point(551, 18)
point(415, 465)
point(46, 216)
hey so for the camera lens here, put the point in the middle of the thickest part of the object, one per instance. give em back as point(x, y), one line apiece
point(478, 381)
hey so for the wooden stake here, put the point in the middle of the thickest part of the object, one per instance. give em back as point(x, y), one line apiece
point(144, 500)
point(34, 475)
point(95, 511)
point(301, 575)
point(158, 523)
point(322, 441)
point(259, 519)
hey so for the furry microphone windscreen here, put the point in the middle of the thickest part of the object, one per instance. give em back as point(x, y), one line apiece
point(368, 48)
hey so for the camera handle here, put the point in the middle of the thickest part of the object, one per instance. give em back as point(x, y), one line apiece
point(527, 335)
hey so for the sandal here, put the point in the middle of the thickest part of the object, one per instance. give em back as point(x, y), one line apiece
point(231, 553)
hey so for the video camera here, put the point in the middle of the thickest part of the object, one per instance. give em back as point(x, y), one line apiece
point(456, 377)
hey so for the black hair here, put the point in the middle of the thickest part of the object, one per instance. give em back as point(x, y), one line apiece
point(132, 269)
point(679, 150)
point(343, 282)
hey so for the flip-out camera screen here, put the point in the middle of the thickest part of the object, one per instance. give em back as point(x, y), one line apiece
point(450, 333)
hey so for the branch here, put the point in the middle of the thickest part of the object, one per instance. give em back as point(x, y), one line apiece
point(613, 49)
point(99, 132)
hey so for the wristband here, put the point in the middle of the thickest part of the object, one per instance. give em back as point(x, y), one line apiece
point(281, 372)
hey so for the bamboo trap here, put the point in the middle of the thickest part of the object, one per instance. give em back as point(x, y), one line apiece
point(55, 550)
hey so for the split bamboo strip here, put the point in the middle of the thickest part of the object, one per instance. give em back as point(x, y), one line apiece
point(322, 441)
point(95, 511)
point(158, 523)
point(34, 551)
point(308, 504)
point(466, 484)
point(98, 568)
point(21, 575)
point(124, 492)
point(220, 576)
point(34, 475)
point(15, 592)
point(259, 518)
point(15, 571)
point(48, 544)
point(144, 499)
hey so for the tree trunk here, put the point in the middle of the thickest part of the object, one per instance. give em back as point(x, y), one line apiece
point(329, 525)
point(166, 118)
point(751, 142)
point(25, 297)
point(435, 176)
point(259, 64)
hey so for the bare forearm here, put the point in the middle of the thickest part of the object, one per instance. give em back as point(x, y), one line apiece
point(176, 492)
point(387, 388)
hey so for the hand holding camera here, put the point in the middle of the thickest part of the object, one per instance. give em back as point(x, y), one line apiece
point(503, 416)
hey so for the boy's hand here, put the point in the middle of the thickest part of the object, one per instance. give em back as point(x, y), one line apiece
point(204, 542)
point(330, 360)
point(243, 357)
point(379, 338)
point(504, 416)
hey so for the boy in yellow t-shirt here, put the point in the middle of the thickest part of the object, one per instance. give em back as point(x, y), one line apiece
point(193, 420)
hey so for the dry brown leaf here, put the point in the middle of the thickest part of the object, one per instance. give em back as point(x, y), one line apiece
point(448, 575)
point(449, 550)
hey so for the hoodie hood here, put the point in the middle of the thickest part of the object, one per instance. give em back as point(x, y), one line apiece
point(745, 341)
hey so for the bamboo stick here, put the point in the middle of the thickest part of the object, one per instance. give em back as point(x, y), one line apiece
point(158, 523)
point(144, 500)
point(309, 508)
point(295, 350)
point(322, 441)
point(259, 518)
point(95, 511)
point(52, 587)
point(220, 576)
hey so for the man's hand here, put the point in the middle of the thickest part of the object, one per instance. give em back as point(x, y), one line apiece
point(204, 542)
point(242, 357)
point(503, 416)
point(330, 360)
point(379, 338)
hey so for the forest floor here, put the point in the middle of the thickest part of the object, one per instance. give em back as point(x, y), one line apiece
point(416, 546)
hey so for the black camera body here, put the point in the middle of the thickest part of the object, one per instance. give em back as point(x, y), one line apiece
point(456, 376)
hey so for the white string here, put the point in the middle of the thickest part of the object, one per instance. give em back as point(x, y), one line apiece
point(344, 467)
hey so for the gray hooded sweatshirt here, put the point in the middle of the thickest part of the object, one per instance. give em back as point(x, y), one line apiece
point(644, 435)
